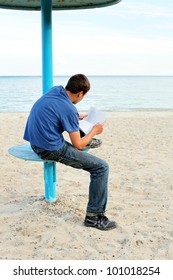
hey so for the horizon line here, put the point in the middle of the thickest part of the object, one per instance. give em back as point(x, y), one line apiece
point(90, 75)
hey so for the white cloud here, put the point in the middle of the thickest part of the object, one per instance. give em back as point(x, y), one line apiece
point(146, 8)
point(112, 44)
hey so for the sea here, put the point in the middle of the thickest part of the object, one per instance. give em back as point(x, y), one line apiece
point(107, 93)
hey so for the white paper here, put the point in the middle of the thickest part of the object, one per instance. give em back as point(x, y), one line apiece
point(94, 116)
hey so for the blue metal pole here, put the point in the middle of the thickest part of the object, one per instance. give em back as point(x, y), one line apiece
point(47, 82)
point(47, 68)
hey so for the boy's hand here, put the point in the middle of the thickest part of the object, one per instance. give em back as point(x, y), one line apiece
point(98, 128)
point(82, 116)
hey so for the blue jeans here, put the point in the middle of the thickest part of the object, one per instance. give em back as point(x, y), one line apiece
point(98, 169)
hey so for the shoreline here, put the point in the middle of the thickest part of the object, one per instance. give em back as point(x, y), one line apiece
point(109, 111)
point(138, 147)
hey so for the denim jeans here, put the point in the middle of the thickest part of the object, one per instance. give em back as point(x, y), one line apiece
point(98, 169)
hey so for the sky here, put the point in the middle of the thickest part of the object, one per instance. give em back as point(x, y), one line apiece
point(131, 38)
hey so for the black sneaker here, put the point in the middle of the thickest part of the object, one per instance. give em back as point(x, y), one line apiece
point(100, 222)
point(94, 143)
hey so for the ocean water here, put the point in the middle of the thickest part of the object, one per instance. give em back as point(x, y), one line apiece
point(108, 93)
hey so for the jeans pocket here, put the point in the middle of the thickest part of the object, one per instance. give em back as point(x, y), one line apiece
point(51, 156)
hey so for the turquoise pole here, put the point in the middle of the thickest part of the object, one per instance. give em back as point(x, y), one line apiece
point(47, 82)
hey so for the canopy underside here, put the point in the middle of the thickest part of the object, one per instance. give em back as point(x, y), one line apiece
point(56, 4)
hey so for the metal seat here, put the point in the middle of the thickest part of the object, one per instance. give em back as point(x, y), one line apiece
point(25, 152)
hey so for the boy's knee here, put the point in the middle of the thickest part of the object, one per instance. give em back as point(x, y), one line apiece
point(105, 166)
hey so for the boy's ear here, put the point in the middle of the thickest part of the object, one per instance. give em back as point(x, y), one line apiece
point(80, 93)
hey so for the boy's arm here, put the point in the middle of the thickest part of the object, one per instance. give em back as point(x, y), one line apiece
point(79, 142)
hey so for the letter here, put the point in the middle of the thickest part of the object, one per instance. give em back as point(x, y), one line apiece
point(15, 271)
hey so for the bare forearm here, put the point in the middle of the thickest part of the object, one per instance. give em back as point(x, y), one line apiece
point(81, 142)
point(87, 138)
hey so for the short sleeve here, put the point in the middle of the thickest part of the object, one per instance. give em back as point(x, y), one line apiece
point(70, 122)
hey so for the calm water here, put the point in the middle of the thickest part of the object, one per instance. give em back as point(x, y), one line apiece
point(109, 93)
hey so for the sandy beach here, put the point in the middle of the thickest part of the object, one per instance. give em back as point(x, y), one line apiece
point(139, 149)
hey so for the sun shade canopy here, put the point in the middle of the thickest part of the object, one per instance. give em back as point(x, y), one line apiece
point(34, 5)
point(46, 7)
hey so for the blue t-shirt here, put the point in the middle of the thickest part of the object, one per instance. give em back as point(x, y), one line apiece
point(50, 116)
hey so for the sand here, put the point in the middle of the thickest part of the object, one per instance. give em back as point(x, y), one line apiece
point(139, 149)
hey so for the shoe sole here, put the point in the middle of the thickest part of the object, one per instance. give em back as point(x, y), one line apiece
point(103, 229)
point(93, 146)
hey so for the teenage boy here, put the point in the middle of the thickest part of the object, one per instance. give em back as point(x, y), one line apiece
point(50, 116)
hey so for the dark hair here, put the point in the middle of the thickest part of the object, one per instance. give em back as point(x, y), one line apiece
point(77, 83)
